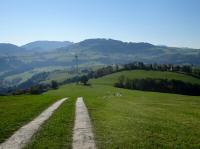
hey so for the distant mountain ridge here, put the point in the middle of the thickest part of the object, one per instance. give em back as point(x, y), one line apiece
point(110, 45)
point(115, 51)
point(10, 49)
point(41, 46)
point(91, 52)
point(45, 56)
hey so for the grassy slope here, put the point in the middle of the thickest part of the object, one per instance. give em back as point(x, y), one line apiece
point(23, 76)
point(15, 111)
point(135, 119)
point(54, 73)
point(145, 120)
point(111, 79)
point(58, 76)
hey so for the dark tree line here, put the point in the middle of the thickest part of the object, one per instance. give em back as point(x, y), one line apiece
point(159, 85)
point(196, 71)
point(158, 67)
point(186, 69)
point(83, 79)
point(36, 89)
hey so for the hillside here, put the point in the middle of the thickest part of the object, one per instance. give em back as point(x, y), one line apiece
point(126, 118)
point(139, 74)
point(42, 46)
point(91, 53)
point(7, 49)
point(108, 51)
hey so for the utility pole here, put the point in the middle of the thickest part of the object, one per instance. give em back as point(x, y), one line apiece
point(76, 59)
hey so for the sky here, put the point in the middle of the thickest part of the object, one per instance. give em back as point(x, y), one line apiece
point(161, 22)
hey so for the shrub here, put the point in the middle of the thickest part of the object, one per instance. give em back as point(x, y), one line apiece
point(54, 84)
point(39, 89)
point(84, 79)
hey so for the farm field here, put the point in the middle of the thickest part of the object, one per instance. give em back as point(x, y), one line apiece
point(121, 118)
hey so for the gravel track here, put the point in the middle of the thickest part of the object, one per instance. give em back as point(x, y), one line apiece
point(83, 137)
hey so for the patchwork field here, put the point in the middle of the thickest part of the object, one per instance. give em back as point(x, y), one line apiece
point(121, 118)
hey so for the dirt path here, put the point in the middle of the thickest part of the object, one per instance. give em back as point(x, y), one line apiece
point(22, 136)
point(83, 137)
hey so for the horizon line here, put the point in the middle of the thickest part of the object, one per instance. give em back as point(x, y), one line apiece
point(74, 42)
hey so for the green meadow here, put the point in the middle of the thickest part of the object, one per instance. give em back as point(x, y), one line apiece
point(139, 74)
point(121, 118)
point(16, 111)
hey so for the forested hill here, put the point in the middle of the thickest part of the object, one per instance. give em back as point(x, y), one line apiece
point(112, 51)
point(41, 46)
point(45, 56)
point(7, 49)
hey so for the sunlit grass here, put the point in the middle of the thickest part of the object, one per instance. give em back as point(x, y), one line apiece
point(121, 118)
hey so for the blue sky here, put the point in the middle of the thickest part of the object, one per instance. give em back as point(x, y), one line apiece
point(165, 22)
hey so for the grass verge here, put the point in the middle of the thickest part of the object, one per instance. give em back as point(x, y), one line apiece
point(56, 133)
point(15, 111)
